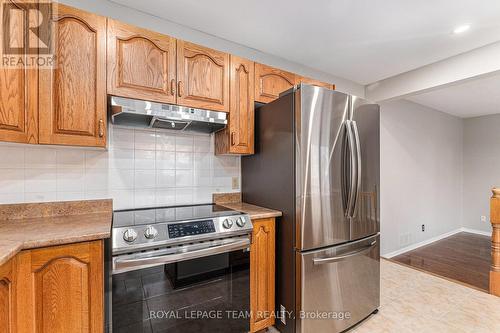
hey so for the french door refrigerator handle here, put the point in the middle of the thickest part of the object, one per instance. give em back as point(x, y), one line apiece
point(344, 172)
point(364, 249)
point(358, 168)
point(353, 184)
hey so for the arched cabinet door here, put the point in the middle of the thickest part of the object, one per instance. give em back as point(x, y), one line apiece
point(18, 82)
point(202, 77)
point(271, 82)
point(72, 106)
point(61, 289)
point(141, 63)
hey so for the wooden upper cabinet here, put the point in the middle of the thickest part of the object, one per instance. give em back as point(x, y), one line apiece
point(238, 136)
point(72, 106)
point(141, 63)
point(301, 79)
point(202, 77)
point(18, 84)
point(7, 298)
point(271, 82)
point(262, 268)
point(61, 289)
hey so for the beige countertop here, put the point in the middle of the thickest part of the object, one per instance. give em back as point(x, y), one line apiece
point(255, 212)
point(28, 226)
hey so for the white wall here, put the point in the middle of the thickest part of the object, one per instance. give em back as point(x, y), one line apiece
point(141, 168)
point(131, 16)
point(481, 169)
point(421, 173)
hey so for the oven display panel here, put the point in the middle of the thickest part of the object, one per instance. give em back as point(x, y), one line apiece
point(191, 228)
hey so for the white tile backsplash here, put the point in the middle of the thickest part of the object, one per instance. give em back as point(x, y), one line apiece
point(12, 158)
point(140, 168)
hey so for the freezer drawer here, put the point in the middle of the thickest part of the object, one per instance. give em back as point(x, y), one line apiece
point(339, 286)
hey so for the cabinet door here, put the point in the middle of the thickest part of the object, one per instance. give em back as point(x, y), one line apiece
point(18, 84)
point(238, 136)
point(202, 77)
point(270, 82)
point(301, 79)
point(7, 298)
point(73, 94)
point(262, 262)
point(141, 63)
point(62, 287)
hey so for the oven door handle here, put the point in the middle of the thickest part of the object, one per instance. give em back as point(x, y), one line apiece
point(144, 260)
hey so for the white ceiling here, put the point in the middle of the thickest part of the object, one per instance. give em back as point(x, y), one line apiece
point(473, 98)
point(361, 40)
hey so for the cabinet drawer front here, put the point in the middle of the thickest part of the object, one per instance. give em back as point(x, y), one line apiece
point(141, 63)
point(340, 281)
point(202, 77)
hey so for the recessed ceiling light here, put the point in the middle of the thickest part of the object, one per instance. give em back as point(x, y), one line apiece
point(461, 29)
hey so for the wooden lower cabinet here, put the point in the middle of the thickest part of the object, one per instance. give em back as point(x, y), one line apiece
point(7, 299)
point(262, 280)
point(60, 289)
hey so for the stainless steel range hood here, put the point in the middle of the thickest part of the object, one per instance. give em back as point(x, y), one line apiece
point(144, 114)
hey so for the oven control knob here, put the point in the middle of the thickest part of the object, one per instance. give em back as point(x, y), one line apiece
point(130, 235)
point(150, 232)
point(227, 224)
point(241, 222)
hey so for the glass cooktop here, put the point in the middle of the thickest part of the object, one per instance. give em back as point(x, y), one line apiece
point(130, 217)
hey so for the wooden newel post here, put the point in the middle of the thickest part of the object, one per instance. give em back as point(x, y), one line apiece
point(495, 242)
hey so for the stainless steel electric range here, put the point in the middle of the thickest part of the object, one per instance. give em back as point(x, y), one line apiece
point(179, 269)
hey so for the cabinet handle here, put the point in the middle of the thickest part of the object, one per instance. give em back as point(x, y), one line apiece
point(172, 87)
point(179, 89)
point(232, 139)
point(101, 128)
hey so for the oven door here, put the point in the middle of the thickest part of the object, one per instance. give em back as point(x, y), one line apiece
point(194, 288)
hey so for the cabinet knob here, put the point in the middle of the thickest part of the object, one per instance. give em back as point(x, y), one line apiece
point(172, 87)
point(101, 128)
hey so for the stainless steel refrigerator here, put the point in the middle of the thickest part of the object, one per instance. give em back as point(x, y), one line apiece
point(317, 160)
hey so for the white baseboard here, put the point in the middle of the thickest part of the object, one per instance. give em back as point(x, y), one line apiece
point(478, 232)
point(434, 239)
point(420, 244)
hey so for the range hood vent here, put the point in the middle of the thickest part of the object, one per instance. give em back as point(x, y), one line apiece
point(144, 114)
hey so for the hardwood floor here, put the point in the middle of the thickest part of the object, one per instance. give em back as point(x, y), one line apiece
point(464, 257)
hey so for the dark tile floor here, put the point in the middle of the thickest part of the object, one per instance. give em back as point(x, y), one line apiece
point(463, 257)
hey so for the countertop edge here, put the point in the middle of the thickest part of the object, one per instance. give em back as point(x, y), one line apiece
point(18, 246)
point(255, 212)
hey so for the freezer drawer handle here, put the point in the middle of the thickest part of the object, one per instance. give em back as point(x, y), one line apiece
point(320, 261)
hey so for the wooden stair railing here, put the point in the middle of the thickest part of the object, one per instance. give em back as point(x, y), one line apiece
point(495, 242)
